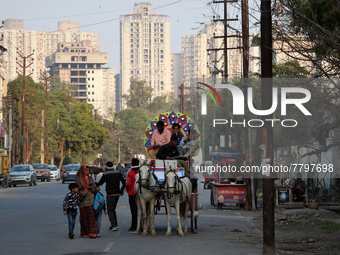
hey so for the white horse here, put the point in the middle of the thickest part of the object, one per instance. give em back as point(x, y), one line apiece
point(144, 187)
point(178, 194)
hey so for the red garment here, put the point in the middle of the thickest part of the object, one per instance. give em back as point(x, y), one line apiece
point(87, 221)
point(130, 180)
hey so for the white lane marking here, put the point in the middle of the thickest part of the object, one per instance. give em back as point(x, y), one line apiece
point(109, 246)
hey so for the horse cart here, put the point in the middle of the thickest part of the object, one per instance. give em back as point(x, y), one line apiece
point(161, 183)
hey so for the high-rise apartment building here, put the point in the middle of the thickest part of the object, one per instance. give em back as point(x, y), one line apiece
point(145, 49)
point(176, 72)
point(42, 44)
point(81, 65)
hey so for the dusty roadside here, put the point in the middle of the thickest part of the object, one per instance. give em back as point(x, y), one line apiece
point(306, 231)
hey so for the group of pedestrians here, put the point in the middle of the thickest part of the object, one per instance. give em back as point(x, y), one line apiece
point(86, 195)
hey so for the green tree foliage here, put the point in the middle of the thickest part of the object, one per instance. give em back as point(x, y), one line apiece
point(77, 131)
point(132, 124)
point(139, 94)
point(290, 69)
point(87, 134)
point(161, 104)
point(311, 28)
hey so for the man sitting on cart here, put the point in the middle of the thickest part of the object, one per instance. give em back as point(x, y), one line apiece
point(159, 137)
point(170, 151)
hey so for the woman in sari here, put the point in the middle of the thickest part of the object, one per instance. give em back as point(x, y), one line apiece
point(87, 218)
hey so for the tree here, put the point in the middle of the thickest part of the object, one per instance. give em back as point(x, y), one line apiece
point(87, 134)
point(133, 123)
point(161, 104)
point(290, 69)
point(139, 94)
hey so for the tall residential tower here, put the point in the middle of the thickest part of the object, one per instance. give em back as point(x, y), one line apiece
point(145, 50)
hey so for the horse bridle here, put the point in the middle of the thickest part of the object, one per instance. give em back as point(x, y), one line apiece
point(147, 181)
point(176, 187)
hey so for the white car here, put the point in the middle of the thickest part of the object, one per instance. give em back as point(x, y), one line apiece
point(22, 174)
point(55, 173)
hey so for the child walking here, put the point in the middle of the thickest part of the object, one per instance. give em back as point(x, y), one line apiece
point(70, 204)
point(99, 207)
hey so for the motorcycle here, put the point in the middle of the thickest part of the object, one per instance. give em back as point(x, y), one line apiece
point(3, 182)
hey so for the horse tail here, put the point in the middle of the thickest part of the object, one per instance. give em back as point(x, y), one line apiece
point(182, 209)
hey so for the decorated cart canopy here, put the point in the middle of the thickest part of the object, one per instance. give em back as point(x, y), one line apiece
point(170, 118)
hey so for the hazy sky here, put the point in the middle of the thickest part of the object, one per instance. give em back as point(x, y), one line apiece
point(102, 17)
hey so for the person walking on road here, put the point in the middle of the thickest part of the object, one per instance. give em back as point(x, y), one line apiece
point(130, 183)
point(112, 178)
point(99, 207)
point(70, 204)
point(87, 189)
point(120, 168)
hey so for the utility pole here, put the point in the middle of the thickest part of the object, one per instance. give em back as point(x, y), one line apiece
point(247, 142)
point(267, 130)
point(24, 76)
point(27, 133)
point(225, 52)
point(45, 78)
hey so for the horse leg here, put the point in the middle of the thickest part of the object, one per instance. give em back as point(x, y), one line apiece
point(185, 230)
point(145, 217)
point(152, 217)
point(168, 210)
point(139, 215)
point(178, 216)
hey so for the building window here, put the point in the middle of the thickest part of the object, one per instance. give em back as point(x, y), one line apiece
point(88, 71)
point(93, 79)
point(92, 71)
point(88, 86)
point(92, 86)
point(92, 100)
point(88, 93)
point(74, 58)
point(131, 61)
point(88, 79)
point(92, 92)
point(132, 40)
point(88, 100)
point(83, 58)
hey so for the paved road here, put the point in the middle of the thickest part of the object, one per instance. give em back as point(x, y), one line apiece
point(32, 222)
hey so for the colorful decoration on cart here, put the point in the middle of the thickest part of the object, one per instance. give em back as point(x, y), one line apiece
point(170, 118)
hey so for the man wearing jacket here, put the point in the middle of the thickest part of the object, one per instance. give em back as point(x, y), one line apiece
point(112, 178)
point(130, 183)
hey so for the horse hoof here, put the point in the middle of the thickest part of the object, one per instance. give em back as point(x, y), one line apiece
point(145, 233)
point(181, 233)
point(168, 234)
point(153, 233)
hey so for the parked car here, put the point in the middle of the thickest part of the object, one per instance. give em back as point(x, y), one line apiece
point(43, 173)
point(22, 174)
point(55, 173)
point(70, 172)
